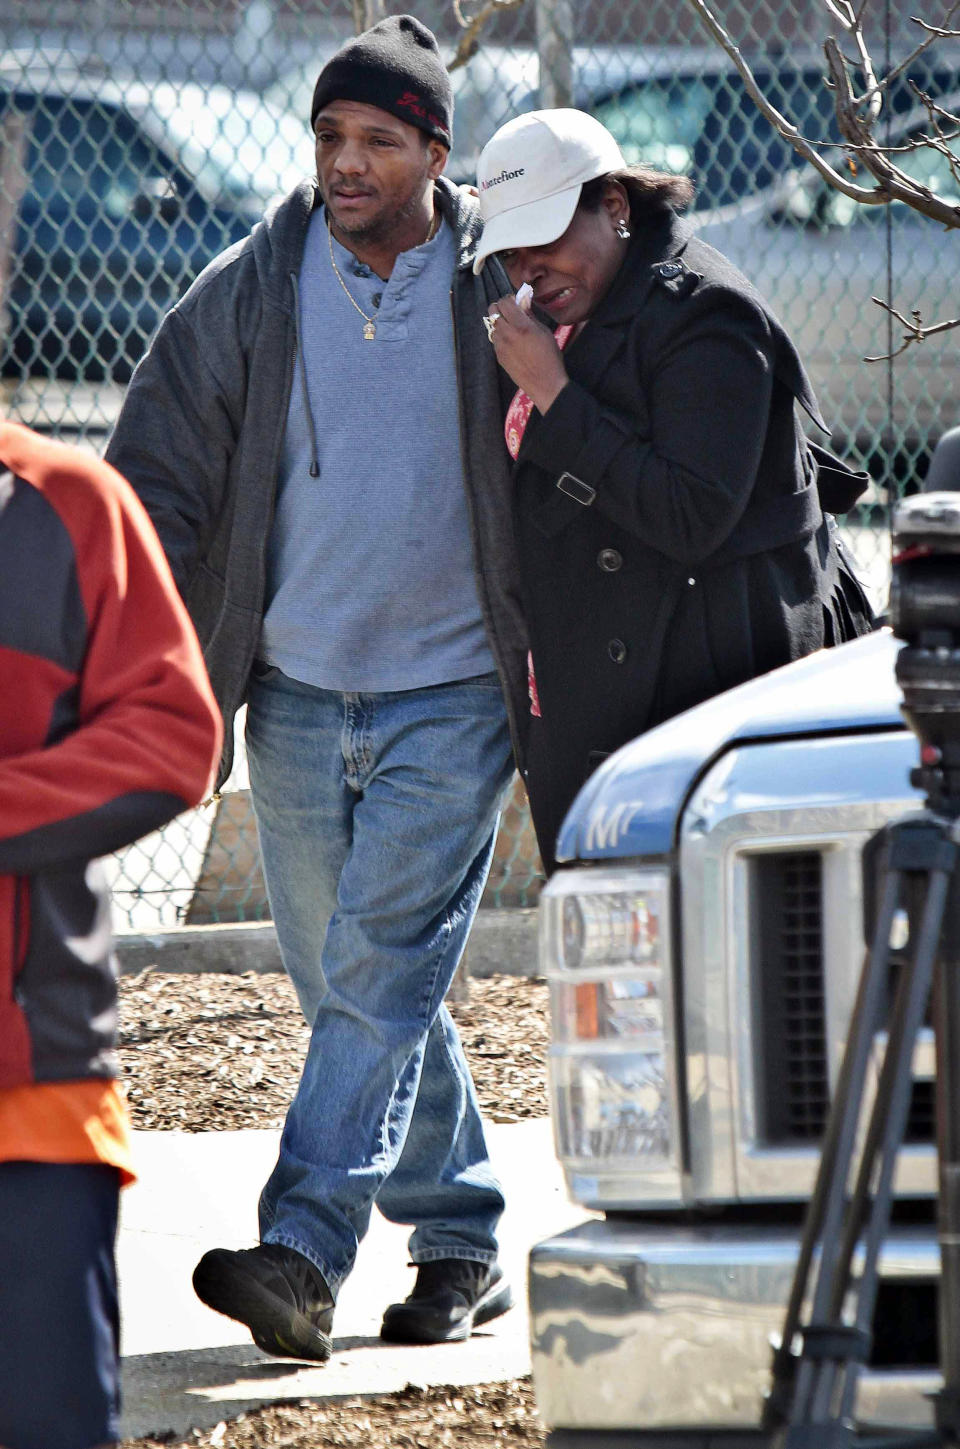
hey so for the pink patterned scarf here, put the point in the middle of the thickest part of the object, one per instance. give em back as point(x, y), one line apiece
point(518, 415)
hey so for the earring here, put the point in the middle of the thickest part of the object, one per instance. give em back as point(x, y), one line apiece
point(623, 231)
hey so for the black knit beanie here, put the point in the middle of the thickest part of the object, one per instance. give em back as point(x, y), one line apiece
point(395, 66)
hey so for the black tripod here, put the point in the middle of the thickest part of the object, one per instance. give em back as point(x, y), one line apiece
point(811, 1404)
point(913, 864)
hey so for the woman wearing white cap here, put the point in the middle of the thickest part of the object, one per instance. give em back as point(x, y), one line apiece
point(668, 506)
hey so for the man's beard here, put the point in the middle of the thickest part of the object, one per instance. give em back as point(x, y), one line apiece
point(373, 231)
point(379, 230)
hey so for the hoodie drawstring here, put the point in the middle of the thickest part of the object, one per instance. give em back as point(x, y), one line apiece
point(302, 364)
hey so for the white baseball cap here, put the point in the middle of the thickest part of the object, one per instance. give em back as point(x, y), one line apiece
point(530, 174)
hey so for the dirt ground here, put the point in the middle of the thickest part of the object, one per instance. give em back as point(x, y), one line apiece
point(417, 1418)
point(214, 1052)
point(217, 1052)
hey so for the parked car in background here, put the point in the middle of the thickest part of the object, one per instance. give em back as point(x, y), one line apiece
point(122, 192)
point(691, 113)
point(680, 107)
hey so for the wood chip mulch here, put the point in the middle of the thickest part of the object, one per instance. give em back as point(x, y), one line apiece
point(215, 1052)
point(416, 1418)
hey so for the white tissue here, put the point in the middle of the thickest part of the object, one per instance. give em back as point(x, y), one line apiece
point(524, 297)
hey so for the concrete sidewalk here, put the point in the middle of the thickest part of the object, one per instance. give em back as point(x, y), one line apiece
point(186, 1367)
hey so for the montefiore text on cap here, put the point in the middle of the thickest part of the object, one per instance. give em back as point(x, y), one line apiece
point(530, 175)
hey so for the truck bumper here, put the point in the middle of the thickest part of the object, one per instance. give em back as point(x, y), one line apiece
point(648, 1330)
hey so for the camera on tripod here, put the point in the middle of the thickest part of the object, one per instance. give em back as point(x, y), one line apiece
point(925, 613)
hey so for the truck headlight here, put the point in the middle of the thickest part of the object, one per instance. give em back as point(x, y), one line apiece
point(605, 951)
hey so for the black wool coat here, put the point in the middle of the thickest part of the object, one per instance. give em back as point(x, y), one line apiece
point(667, 514)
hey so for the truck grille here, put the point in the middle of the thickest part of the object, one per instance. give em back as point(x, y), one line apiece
point(791, 1044)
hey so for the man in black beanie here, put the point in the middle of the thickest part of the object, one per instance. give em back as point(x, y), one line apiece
point(316, 432)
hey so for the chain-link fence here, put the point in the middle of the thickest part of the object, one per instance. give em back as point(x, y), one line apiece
point(204, 868)
point(139, 139)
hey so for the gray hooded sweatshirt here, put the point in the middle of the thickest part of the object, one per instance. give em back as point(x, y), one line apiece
point(200, 432)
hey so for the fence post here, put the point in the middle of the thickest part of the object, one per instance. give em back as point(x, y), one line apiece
point(13, 181)
point(366, 13)
point(255, 32)
point(555, 49)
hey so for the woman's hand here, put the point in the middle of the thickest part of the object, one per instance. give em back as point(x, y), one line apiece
point(526, 350)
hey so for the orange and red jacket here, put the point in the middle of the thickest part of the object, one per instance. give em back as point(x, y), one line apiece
point(108, 728)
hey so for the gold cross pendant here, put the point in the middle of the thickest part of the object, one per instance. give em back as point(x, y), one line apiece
point(369, 332)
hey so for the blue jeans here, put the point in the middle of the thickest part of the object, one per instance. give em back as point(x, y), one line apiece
point(377, 815)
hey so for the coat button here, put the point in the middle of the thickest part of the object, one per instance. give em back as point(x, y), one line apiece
point(617, 651)
point(609, 559)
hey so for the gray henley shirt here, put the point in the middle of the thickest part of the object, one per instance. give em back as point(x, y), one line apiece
point(371, 585)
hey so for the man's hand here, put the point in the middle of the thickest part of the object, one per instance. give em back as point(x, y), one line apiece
point(526, 350)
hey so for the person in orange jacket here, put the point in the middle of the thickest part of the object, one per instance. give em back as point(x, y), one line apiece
point(108, 728)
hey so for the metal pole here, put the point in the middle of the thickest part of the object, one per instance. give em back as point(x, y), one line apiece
point(13, 183)
point(946, 1022)
point(255, 36)
point(555, 48)
point(366, 13)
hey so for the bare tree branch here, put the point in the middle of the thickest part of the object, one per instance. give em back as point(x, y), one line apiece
point(849, 20)
point(857, 116)
point(473, 25)
point(368, 12)
point(924, 45)
point(832, 9)
point(892, 183)
point(934, 111)
point(916, 331)
point(937, 31)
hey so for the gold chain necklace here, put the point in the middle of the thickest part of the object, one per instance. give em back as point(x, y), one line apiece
point(369, 323)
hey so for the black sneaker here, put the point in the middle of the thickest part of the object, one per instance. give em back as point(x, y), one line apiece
point(451, 1298)
point(277, 1292)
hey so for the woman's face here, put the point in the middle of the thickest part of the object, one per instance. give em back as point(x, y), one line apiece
point(571, 275)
